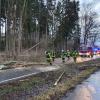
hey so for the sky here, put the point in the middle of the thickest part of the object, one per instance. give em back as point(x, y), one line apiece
point(96, 7)
point(96, 4)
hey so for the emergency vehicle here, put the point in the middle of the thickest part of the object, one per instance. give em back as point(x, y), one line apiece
point(86, 52)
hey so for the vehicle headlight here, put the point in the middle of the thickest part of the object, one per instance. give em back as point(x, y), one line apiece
point(88, 53)
point(80, 53)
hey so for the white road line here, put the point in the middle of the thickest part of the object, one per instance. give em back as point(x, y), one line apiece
point(19, 77)
point(48, 69)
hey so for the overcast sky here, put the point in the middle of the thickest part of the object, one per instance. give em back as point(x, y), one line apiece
point(95, 2)
point(96, 5)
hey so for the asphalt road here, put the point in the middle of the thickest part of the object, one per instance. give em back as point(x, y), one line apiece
point(22, 72)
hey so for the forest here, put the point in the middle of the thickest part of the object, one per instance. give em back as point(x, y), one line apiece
point(30, 27)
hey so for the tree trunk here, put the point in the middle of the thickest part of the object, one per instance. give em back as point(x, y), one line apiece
point(76, 43)
point(19, 49)
point(8, 21)
point(0, 25)
point(66, 43)
point(20, 36)
point(14, 33)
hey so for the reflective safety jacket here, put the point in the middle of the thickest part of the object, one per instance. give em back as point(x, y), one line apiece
point(49, 57)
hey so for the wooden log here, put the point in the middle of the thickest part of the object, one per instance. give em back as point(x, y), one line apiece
point(59, 78)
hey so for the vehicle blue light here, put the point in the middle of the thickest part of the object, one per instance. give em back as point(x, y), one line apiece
point(95, 49)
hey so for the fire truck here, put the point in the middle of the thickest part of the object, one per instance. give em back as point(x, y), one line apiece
point(86, 52)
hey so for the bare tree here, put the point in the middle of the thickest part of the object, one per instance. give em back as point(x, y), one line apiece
point(88, 22)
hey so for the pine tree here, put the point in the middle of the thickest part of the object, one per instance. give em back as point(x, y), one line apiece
point(69, 20)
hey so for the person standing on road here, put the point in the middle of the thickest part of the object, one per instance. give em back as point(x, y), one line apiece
point(49, 57)
point(68, 54)
point(75, 54)
point(63, 56)
point(53, 55)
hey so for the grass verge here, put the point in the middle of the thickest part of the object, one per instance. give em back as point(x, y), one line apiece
point(55, 93)
point(42, 84)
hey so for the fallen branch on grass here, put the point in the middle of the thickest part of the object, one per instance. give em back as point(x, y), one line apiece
point(59, 78)
point(32, 47)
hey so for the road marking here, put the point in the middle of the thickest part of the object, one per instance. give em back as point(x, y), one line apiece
point(19, 77)
point(42, 70)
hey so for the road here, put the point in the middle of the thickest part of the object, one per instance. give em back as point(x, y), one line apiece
point(79, 59)
point(17, 73)
point(22, 72)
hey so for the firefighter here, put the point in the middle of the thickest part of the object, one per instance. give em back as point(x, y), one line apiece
point(71, 53)
point(68, 54)
point(63, 56)
point(49, 57)
point(53, 55)
point(75, 54)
